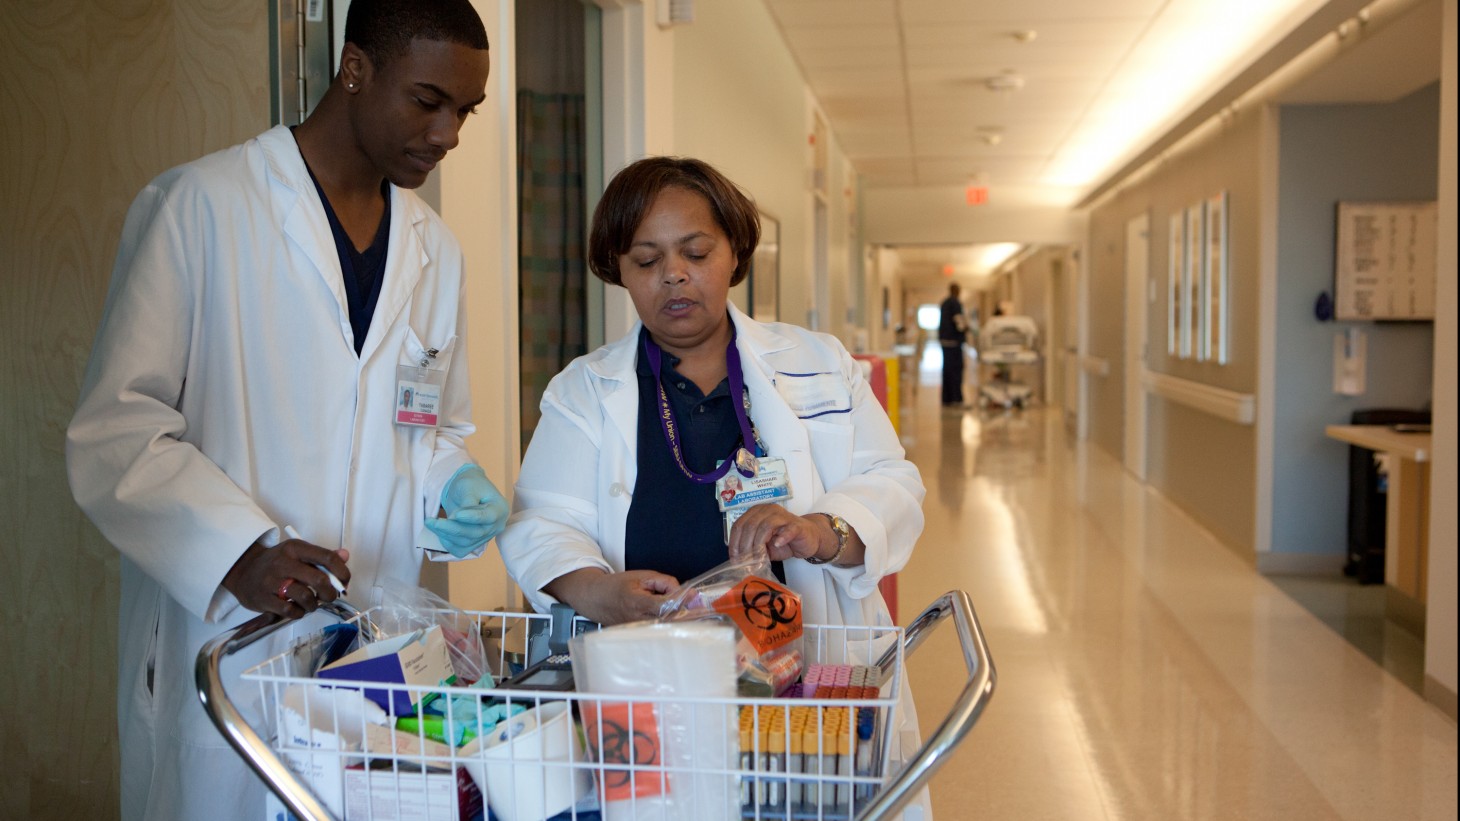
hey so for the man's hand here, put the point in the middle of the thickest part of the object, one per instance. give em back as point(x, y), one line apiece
point(284, 579)
point(475, 512)
point(612, 598)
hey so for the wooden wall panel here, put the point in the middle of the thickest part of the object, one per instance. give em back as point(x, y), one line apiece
point(98, 98)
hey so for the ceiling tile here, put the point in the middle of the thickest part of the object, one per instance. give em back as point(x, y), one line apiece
point(1025, 13)
point(843, 12)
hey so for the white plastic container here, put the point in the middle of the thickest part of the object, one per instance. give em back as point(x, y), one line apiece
point(522, 766)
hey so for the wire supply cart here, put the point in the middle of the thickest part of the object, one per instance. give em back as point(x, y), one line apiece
point(534, 754)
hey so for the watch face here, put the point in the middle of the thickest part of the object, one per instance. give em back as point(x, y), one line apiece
point(843, 532)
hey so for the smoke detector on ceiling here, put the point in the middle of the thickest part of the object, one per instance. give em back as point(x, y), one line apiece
point(1006, 82)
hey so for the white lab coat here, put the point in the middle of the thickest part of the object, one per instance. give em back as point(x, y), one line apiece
point(572, 497)
point(223, 401)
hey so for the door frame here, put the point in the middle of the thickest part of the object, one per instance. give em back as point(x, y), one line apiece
point(1137, 276)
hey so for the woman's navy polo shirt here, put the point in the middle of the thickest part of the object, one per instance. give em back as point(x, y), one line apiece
point(675, 525)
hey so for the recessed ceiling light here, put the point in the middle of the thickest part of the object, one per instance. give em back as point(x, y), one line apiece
point(1024, 35)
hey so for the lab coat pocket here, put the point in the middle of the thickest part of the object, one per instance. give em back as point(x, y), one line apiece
point(814, 395)
point(420, 393)
point(831, 449)
point(435, 354)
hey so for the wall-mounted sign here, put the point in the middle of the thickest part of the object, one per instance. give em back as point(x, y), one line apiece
point(1384, 265)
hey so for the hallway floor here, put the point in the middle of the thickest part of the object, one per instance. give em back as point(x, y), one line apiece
point(1144, 670)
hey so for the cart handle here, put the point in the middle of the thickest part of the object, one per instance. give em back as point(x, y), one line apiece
point(971, 702)
point(231, 723)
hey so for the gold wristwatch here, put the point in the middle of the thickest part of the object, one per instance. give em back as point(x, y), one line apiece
point(843, 534)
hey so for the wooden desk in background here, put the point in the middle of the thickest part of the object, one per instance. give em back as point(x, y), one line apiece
point(1407, 502)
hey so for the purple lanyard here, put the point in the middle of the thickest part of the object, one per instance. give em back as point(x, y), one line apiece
point(671, 428)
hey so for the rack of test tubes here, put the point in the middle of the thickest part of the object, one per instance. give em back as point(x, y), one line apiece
point(816, 760)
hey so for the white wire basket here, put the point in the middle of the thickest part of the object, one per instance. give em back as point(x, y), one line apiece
point(508, 754)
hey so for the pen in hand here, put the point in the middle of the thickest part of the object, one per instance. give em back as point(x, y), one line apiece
point(291, 533)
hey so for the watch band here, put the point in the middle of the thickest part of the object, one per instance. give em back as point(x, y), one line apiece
point(843, 535)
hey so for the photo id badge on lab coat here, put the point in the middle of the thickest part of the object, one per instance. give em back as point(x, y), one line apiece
point(736, 494)
point(418, 395)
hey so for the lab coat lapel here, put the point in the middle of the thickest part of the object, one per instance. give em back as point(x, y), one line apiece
point(762, 352)
point(303, 215)
point(405, 260)
point(621, 393)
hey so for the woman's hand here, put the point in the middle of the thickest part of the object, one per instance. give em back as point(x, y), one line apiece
point(612, 598)
point(781, 534)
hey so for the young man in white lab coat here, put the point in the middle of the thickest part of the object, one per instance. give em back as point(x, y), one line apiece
point(242, 427)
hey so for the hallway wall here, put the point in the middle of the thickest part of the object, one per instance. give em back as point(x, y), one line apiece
point(747, 112)
point(1328, 154)
point(1440, 654)
point(101, 97)
point(1203, 463)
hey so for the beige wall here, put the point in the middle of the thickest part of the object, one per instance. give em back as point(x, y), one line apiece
point(479, 200)
point(1202, 463)
point(101, 97)
point(746, 111)
point(1440, 645)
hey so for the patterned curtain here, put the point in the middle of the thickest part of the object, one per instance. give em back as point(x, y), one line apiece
point(551, 235)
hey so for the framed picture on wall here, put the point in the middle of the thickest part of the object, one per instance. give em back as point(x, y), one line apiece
point(1175, 264)
point(1191, 317)
point(1214, 298)
point(765, 271)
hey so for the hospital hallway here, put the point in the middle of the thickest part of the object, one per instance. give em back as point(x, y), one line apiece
point(1145, 671)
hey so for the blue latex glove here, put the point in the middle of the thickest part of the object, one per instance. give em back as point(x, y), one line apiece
point(475, 512)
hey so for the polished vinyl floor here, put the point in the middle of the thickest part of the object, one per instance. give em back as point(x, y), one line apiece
point(1144, 671)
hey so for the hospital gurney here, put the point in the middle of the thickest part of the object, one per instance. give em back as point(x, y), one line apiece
point(777, 775)
point(1004, 343)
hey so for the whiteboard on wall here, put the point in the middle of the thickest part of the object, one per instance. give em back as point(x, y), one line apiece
point(1385, 264)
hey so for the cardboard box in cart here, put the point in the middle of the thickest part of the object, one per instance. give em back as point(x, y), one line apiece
point(419, 659)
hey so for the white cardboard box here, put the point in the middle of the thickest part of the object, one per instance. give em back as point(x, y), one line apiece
point(433, 795)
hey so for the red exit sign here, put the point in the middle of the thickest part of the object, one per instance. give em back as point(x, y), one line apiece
point(976, 194)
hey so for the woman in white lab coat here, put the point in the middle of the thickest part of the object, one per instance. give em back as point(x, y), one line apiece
point(228, 398)
point(616, 486)
point(677, 235)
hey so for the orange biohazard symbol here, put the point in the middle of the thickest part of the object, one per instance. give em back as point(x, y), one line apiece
point(768, 614)
point(625, 739)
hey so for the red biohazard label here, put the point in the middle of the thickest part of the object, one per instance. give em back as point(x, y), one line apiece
point(768, 614)
point(625, 739)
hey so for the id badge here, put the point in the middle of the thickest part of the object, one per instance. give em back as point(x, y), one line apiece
point(418, 393)
point(736, 494)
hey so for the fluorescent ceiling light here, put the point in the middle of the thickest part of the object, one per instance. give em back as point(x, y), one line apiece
point(1181, 60)
point(990, 256)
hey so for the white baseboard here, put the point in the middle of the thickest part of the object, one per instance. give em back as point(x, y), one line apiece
point(1299, 564)
point(1440, 696)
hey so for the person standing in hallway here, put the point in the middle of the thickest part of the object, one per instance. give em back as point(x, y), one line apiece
point(952, 332)
point(242, 430)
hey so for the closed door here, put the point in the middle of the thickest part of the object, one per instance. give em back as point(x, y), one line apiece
point(1137, 246)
